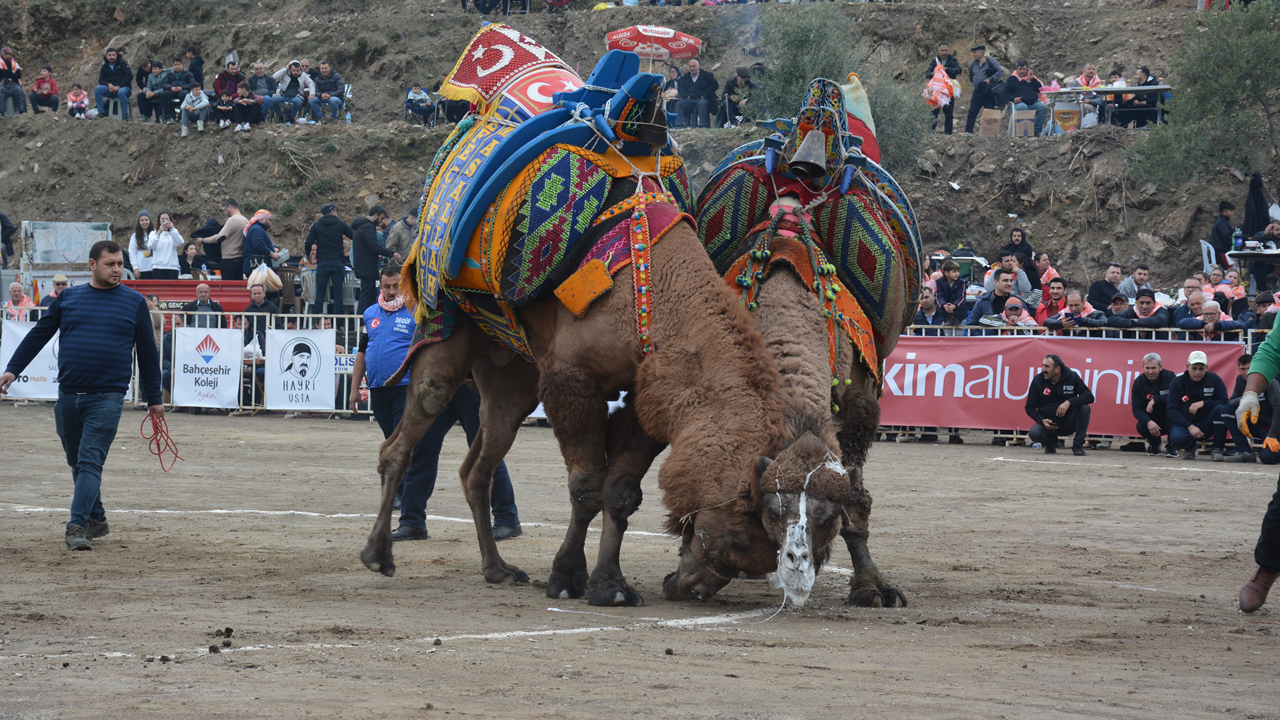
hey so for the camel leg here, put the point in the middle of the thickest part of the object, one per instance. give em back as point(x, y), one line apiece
point(437, 372)
point(579, 417)
point(859, 416)
point(507, 396)
point(630, 453)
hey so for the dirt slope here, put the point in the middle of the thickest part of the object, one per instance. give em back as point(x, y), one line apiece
point(1067, 192)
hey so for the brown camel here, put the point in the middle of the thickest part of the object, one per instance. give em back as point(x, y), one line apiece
point(709, 389)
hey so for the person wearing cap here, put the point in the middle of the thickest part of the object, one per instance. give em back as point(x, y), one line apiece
point(1058, 403)
point(365, 255)
point(1262, 371)
point(735, 93)
point(1149, 397)
point(984, 73)
point(1194, 398)
point(1220, 237)
point(326, 236)
point(1145, 313)
point(1015, 313)
point(59, 284)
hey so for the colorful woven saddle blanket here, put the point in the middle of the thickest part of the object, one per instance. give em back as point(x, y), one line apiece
point(783, 241)
point(861, 219)
point(528, 102)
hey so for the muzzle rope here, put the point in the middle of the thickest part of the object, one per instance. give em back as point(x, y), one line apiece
point(159, 440)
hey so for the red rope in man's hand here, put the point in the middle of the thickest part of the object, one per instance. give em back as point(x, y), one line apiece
point(159, 439)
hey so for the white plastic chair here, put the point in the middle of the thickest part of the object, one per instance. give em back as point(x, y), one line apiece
point(1207, 256)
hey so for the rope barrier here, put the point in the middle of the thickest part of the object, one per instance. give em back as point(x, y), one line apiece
point(159, 440)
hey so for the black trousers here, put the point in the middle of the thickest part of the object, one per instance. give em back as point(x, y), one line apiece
point(695, 113)
point(368, 295)
point(38, 101)
point(232, 268)
point(982, 98)
point(164, 274)
point(1267, 551)
point(1076, 422)
point(169, 101)
point(251, 114)
point(948, 111)
point(1154, 440)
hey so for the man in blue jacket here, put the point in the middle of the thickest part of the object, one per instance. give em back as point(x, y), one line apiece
point(386, 341)
point(101, 323)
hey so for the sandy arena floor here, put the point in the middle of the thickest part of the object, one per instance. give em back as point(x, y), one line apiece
point(1100, 587)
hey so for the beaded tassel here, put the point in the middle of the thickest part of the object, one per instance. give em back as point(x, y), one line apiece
point(640, 247)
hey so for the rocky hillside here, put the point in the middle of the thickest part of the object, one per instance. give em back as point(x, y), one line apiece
point(1069, 192)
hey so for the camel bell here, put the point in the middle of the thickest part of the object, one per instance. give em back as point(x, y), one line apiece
point(810, 160)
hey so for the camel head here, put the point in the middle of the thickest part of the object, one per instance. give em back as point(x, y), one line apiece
point(783, 521)
point(803, 492)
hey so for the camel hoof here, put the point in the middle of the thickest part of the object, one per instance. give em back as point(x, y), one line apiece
point(671, 587)
point(562, 587)
point(377, 561)
point(510, 574)
point(615, 596)
point(877, 596)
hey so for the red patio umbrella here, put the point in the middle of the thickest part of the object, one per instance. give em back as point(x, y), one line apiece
point(654, 42)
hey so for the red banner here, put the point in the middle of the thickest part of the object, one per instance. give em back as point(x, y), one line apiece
point(981, 382)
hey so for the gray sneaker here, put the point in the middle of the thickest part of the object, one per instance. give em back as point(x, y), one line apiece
point(1216, 455)
point(1188, 454)
point(1243, 457)
point(78, 538)
point(506, 532)
point(97, 528)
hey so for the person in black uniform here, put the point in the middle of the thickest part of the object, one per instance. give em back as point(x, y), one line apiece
point(1257, 427)
point(1058, 401)
point(1150, 399)
point(1194, 398)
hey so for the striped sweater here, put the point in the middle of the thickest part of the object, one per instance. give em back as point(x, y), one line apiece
point(99, 329)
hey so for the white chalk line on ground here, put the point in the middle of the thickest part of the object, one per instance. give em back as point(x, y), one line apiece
point(306, 513)
point(644, 623)
point(1149, 467)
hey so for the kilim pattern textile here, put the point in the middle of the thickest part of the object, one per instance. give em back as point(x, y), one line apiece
point(737, 203)
point(564, 194)
point(854, 232)
point(678, 185)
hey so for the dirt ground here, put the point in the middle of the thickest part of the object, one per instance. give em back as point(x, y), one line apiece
point(1099, 587)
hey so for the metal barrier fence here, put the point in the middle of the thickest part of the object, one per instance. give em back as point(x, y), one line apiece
point(347, 332)
point(1251, 338)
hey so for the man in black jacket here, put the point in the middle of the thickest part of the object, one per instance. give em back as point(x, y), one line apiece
point(1220, 237)
point(951, 66)
point(365, 252)
point(115, 79)
point(1058, 401)
point(326, 236)
point(697, 96)
point(1145, 313)
point(984, 75)
point(1023, 90)
point(195, 64)
point(176, 82)
point(1194, 399)
point(1150, 399)
point(204, 311)
point(1101, 291)
point(329, 88)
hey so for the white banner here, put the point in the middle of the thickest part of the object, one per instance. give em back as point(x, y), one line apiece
point(300, 369)
point(207, 367)
point(39, 381)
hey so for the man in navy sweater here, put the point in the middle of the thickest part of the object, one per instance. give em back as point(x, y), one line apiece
point(100, 325)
